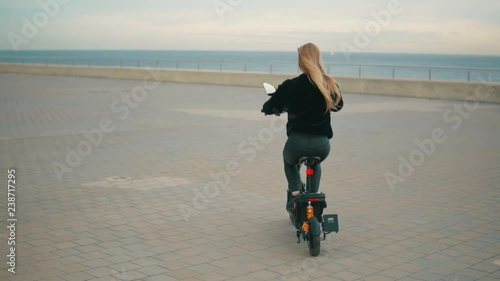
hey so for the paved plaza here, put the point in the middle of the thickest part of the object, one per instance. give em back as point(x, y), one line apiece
point(185, 182)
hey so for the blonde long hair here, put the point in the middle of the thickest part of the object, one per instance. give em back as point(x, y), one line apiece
point(311, 63)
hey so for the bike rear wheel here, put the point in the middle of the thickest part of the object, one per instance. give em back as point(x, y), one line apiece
point(314, 238)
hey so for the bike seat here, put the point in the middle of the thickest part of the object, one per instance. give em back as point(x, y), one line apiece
point(309, 160)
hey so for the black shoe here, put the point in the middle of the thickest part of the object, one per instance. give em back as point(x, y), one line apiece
point(289, 201)
point(290, 208)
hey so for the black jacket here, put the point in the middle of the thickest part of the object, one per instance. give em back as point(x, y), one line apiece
point(306, 107)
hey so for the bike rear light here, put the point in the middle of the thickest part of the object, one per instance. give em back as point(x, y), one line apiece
point(313, 199)
point(309, 172)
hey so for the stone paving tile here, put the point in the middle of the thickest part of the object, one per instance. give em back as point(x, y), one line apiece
point(262, 275)
point(395, 272)
point(449, 268)
point(212, 276)
point(328, 278)
point(154, 200)
point(53, 279)
point(162, 277)
point(101, 278)
point(348, 276)
point(472, 273)
point(72, 268)
point(427, 275)
point(96, 263)
point(181, 274)
point(376, 277)
point(409, 279)
point(78, 276)
point(486, 266)
point(130, 275)
point(100, 271)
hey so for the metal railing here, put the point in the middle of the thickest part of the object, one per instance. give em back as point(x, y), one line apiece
point(348, 70)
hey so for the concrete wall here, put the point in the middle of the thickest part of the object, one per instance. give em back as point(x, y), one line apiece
point(487, 92)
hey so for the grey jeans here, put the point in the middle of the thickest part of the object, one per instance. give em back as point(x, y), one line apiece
point(298, 146)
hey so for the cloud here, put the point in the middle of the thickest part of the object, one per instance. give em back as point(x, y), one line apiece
point(422, 26)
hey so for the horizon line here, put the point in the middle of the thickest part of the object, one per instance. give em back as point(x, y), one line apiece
point(257, 51)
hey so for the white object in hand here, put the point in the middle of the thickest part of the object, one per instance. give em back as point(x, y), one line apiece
point(269, 88)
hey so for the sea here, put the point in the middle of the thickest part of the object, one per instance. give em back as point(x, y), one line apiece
point(484, 68)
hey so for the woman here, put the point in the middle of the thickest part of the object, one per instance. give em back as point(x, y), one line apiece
point(308, 99)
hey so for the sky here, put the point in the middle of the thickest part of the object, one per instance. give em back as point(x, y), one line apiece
point(401, 26)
